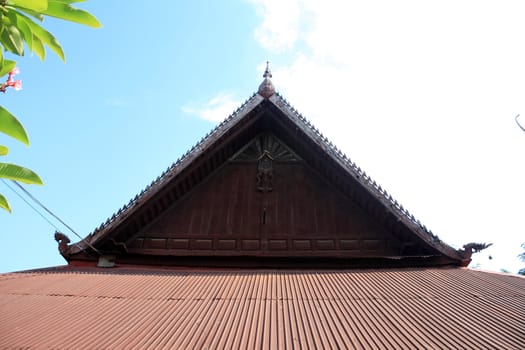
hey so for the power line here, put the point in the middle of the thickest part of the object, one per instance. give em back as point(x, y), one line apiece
point(31, 206)
point(47, 210)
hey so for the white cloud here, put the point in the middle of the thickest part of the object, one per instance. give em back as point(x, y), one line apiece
point(423, 96)
point(216, 109)
point(279, 28)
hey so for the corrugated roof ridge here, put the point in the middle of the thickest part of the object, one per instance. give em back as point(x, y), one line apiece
point(134, 270)
point(364, 178)
point(170, 170)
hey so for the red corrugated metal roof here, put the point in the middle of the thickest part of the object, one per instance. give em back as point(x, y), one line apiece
point(362, 309)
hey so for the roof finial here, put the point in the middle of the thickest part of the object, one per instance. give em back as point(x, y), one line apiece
point(266, 88)
point(267, 72)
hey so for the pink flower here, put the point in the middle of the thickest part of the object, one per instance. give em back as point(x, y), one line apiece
point(12, 73)
point(10, 82)
point(17, 85)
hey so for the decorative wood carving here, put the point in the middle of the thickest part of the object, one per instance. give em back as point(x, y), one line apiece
point(63, 242)
point(266, 145)
point(265, 149)
point(265, 173)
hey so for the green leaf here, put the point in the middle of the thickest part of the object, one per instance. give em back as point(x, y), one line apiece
point(18, 173)
point(23, 27)
point(44, 36)
point(38, 48)
point(3, 150)
point(6, 67)
point(10, 126)
point(35, 5)
point(34, 14)
point(12, 40)
point(4, 204)
point(62, 10)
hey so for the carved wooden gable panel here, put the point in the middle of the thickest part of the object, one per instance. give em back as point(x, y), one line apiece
point(265, 201)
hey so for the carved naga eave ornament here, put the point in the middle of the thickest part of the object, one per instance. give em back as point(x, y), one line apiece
point(266, 98)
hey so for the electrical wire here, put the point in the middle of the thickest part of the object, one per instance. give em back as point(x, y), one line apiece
point(47, 210)
point(29, 204)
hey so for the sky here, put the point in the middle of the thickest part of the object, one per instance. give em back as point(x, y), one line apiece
point(421, 95)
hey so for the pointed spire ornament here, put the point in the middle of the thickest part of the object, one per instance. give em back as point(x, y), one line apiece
point(266, 89)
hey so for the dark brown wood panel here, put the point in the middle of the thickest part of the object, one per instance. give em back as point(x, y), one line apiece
point(301, 215)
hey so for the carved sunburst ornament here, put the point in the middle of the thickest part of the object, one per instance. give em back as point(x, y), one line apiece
point(266, 144)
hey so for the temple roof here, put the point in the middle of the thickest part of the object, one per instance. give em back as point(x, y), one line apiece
point(395, 284)
point(265, 111)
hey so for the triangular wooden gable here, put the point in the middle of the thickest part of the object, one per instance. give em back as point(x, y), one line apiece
point(265, 188)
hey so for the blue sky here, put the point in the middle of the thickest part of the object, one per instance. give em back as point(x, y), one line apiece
point(421, 96)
